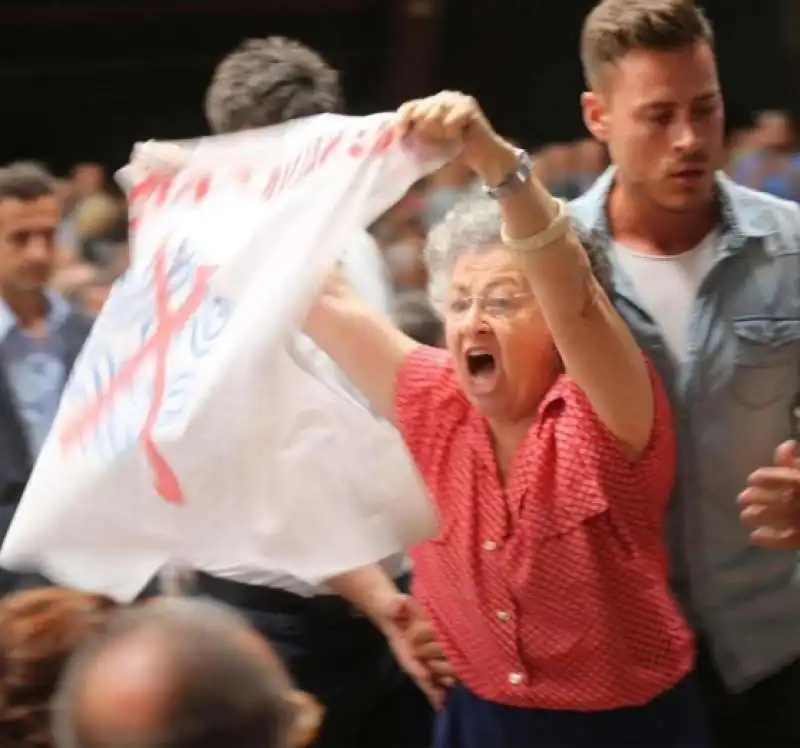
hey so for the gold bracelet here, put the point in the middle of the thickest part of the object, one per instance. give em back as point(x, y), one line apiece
point(555, 230)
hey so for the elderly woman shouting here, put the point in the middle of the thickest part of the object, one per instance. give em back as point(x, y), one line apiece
point(544, 437)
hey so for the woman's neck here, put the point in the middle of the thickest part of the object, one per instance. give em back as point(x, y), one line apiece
point(507, 437)
point(643, 225)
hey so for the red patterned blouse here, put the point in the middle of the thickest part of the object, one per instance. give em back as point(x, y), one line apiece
point(549, 591)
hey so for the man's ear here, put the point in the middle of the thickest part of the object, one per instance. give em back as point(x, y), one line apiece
point(595, 115)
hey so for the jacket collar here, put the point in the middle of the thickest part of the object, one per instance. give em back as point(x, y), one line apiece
point(57, 313)
point(743, 212)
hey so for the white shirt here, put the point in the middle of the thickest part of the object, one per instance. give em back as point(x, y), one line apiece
point(363, 265)
point(667, 286)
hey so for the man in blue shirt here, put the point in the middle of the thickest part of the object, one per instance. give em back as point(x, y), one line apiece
point(707, 274)
point(40, 333)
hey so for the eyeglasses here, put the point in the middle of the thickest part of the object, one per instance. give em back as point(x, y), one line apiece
point(496, 304)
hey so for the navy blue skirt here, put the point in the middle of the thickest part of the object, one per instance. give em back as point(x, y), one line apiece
point(676, 719)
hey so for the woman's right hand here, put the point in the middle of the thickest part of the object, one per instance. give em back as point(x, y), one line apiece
point(149, 157)
point(154, 155)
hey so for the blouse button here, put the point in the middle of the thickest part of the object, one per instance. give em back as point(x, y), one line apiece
point(489, 545)
point(515, 678)
point(503, 615)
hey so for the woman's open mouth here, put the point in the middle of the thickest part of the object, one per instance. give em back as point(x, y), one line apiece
point(481, 367)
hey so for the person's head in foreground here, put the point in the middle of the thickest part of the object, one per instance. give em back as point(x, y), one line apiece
point(655, 98)
point(39, 631)
point(180, 673)
point(266, 82)
point(502, 349)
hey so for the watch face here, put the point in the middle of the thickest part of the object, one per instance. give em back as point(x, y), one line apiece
point(520, 175)
point(525, 164)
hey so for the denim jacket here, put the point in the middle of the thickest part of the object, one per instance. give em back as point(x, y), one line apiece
point(734, 401)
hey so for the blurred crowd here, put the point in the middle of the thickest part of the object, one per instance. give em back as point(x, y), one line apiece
point(93, 242)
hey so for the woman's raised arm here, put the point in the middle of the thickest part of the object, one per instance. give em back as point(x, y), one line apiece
point(596, 346)
point(367, 347)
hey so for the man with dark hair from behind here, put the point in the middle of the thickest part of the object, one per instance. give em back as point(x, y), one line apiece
point(269, 81)
point(179, 673)
point(332, 651)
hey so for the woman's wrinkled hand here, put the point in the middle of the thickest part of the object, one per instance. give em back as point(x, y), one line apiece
point(450, 119)
point(152, 157)
point(414, 645)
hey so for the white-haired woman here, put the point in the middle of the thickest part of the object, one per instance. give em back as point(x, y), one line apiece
point(545, 439)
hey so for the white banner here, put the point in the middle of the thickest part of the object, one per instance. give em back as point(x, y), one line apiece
point(188, 434)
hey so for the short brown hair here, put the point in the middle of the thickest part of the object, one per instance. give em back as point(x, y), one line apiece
point(26, 180)
point(616, 27)
point(266, 82)
point(39, 630)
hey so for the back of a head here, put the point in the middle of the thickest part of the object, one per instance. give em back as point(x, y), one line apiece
point(616, 27)
point(176, 673)
point(266, 82)
point(96, 215)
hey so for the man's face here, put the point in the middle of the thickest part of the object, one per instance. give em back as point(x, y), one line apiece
point(661, 115)
point(27, 242)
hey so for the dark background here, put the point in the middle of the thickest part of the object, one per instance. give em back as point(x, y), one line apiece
point(81, 81)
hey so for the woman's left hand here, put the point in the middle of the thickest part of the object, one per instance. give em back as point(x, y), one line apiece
point(452, 118)
point(414, 645)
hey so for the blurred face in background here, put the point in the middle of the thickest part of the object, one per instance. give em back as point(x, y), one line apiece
point(774, 131)
point(560, 162)
point(742, 139)
point(404, 258)
point(661, 115)
point(445, 189)
point(27, 243)
point(590, 157)
point(88, 179)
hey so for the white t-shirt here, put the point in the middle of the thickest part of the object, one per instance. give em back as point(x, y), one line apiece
point(363, 266)
point(667, 286)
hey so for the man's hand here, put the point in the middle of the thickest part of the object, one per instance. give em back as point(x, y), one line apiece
point(412, 640)
point(450, 119)
point(771, 501)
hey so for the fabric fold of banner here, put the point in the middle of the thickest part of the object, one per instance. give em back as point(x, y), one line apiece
point(188, 434)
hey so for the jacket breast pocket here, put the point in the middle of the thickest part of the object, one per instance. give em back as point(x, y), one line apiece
point(767, 361)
